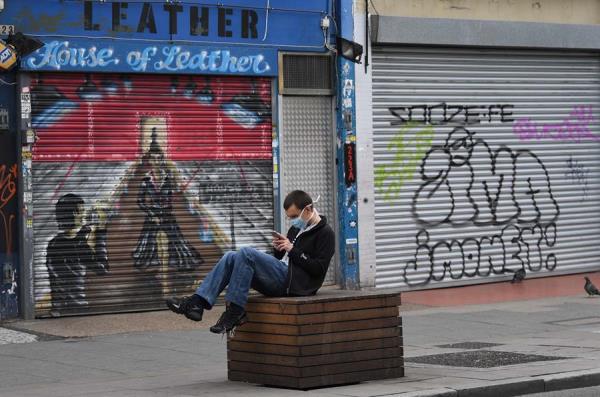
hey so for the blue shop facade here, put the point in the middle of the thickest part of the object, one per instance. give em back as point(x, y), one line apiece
point(147, 138)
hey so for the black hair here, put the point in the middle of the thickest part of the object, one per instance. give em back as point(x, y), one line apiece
point(66, 207)
point(154, 148)
point(298, 198)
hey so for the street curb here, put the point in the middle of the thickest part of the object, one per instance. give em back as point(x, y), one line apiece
point(41, 336)
point(572, 380)
point(443, 392)
point(512, 387)
point(517, 387)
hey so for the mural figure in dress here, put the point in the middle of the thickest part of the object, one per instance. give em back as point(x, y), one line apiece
point(161, 243)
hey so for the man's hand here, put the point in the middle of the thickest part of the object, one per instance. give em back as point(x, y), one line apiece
point(282, 244)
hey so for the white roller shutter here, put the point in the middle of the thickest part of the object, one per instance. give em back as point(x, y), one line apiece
point(486, 161)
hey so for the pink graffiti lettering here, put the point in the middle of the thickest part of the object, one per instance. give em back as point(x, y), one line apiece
point(576, 127)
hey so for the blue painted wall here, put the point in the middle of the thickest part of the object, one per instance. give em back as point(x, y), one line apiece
point(237, 37)
point(346, 152)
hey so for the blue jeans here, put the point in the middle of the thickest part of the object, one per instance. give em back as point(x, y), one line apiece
point(238, 271)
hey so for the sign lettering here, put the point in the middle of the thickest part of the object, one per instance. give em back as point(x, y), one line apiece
point(199, 21)
point(65, 55)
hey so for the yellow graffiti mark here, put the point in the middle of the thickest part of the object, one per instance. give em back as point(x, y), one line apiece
point(409, 146)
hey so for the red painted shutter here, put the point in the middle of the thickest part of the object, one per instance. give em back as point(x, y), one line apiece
point(142, 182)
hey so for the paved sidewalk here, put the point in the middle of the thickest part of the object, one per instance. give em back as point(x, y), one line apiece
point(10, 336)
point(192, 362)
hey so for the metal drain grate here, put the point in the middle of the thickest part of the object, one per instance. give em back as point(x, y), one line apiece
point(480, 359)
point(469, 345)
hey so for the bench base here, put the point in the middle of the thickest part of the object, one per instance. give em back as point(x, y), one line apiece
point(333, 338)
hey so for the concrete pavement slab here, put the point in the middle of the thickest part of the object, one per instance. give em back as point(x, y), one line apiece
point(56, 390)
point(226, 388)
point(11, 336)
point(442, 392)
point(110, 324)
point(131, 393)
point(192, 362)
point(17, 380)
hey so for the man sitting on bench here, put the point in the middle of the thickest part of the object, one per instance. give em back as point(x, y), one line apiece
point(298, 267)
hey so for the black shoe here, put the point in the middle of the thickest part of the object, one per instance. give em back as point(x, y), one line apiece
point(176, 304)
point(228, 321)
point(186, 307)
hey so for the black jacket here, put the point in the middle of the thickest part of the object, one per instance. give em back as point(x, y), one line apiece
point(68, 260)
point(309, 259)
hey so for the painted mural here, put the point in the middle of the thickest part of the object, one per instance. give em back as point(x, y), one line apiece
point(9, 216)
point(8, 226)
point(142, 182)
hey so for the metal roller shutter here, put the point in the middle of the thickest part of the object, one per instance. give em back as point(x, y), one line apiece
point(142, 182)
point(307, 155)
point(486, 161)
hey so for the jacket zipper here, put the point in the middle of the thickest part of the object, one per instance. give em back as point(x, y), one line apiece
point(290, 263)
point(291, 267)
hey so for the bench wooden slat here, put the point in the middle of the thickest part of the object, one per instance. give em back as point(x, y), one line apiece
point(327, 295)
point(324, 328)
point(317, 381)
point(270, 305)
point(314, 350)
point(329, 317)
point(315, 370)
point(323, 359)
point(317, 339)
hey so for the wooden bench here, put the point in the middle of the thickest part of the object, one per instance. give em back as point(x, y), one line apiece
point(336, 337)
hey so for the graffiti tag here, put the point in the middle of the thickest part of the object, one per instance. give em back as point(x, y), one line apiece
point(232, 192)
point(8, 189)
point(442, 113)
point(513, 248)
point(578, 174)
point(408, 150)
point(576, 127)
point(506, 188)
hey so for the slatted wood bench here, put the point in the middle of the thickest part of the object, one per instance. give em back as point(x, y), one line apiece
point(336, 337)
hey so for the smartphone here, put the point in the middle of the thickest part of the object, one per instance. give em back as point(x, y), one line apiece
point(277, 235)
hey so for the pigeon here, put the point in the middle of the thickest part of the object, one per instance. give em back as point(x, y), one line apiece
point(590, 288)
point(519, 276)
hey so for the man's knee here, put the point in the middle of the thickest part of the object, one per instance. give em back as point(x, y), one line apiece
point(228, 257)
point(247, 253)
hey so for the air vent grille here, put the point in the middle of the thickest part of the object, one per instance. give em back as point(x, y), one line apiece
point(307, 74)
